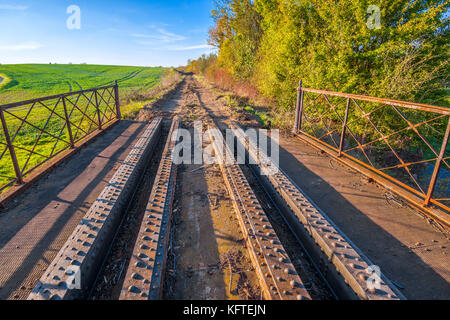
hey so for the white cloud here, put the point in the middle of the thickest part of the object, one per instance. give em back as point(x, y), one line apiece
point(171, 36)
point(21, 47)
point(198, 30)
point(176, 48)
point(12, 7)
point(202, 46)
point(162, 36)
point(155, 25)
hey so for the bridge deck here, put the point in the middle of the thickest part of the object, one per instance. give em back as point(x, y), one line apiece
point(408, 249)
point(37, 224)
point(410, 252)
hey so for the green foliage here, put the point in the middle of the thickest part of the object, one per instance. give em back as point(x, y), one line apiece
point(4, 80)
point(262, 117)
point(270, 45)
point(201, 64)
point(237, 33)
point(328, 44)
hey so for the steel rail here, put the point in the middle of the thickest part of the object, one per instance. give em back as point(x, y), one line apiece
point(108, 107)
point(419, 193)
point(57, 96)
point(277, 276)
point(398, 103)
point(348, 266)
point(411, 195)
point(145, 274)
point(84, 251)
point(273, 202)
point(46, 166)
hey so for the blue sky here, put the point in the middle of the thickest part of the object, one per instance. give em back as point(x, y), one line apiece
point(127, 32)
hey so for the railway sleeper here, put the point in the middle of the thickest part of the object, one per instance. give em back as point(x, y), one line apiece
point(145, 275)
point(350, 273)
point(73, 271)
point(276, 273)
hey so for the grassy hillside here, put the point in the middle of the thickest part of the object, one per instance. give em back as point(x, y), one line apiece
point(29, 81)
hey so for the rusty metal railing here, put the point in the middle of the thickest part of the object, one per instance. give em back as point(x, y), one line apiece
point(401, 145)
point(35, 131)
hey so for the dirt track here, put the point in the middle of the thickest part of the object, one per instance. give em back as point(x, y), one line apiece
point(406, 247)
point(388, 231)
point(206, 241)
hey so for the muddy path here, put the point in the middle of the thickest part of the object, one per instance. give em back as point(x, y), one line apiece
point(370, 221)
point(208, 256)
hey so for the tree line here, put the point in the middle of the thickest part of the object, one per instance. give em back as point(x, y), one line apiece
point(334, 45)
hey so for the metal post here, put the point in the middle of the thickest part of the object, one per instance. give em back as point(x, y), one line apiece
point(98, 111)
point(11, 148)
point(298, 109)
point(344, 128)
point(69, 127)
point(116, 91)
point(437, 167)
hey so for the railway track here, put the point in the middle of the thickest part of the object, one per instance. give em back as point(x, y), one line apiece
point(145, 275)
point(73, 271)
point(340, 267)
point(277, 276)
point(343, 264)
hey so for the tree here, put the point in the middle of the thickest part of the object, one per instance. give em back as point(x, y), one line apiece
point(329, 45)
point(237, 34)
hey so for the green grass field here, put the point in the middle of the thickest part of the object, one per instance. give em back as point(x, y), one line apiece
point(28, 81)
point(23, 82)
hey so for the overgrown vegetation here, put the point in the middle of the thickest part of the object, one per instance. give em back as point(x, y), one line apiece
point(133, 103)
point(4, 80)
point(265, 47)
point(271, 44)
